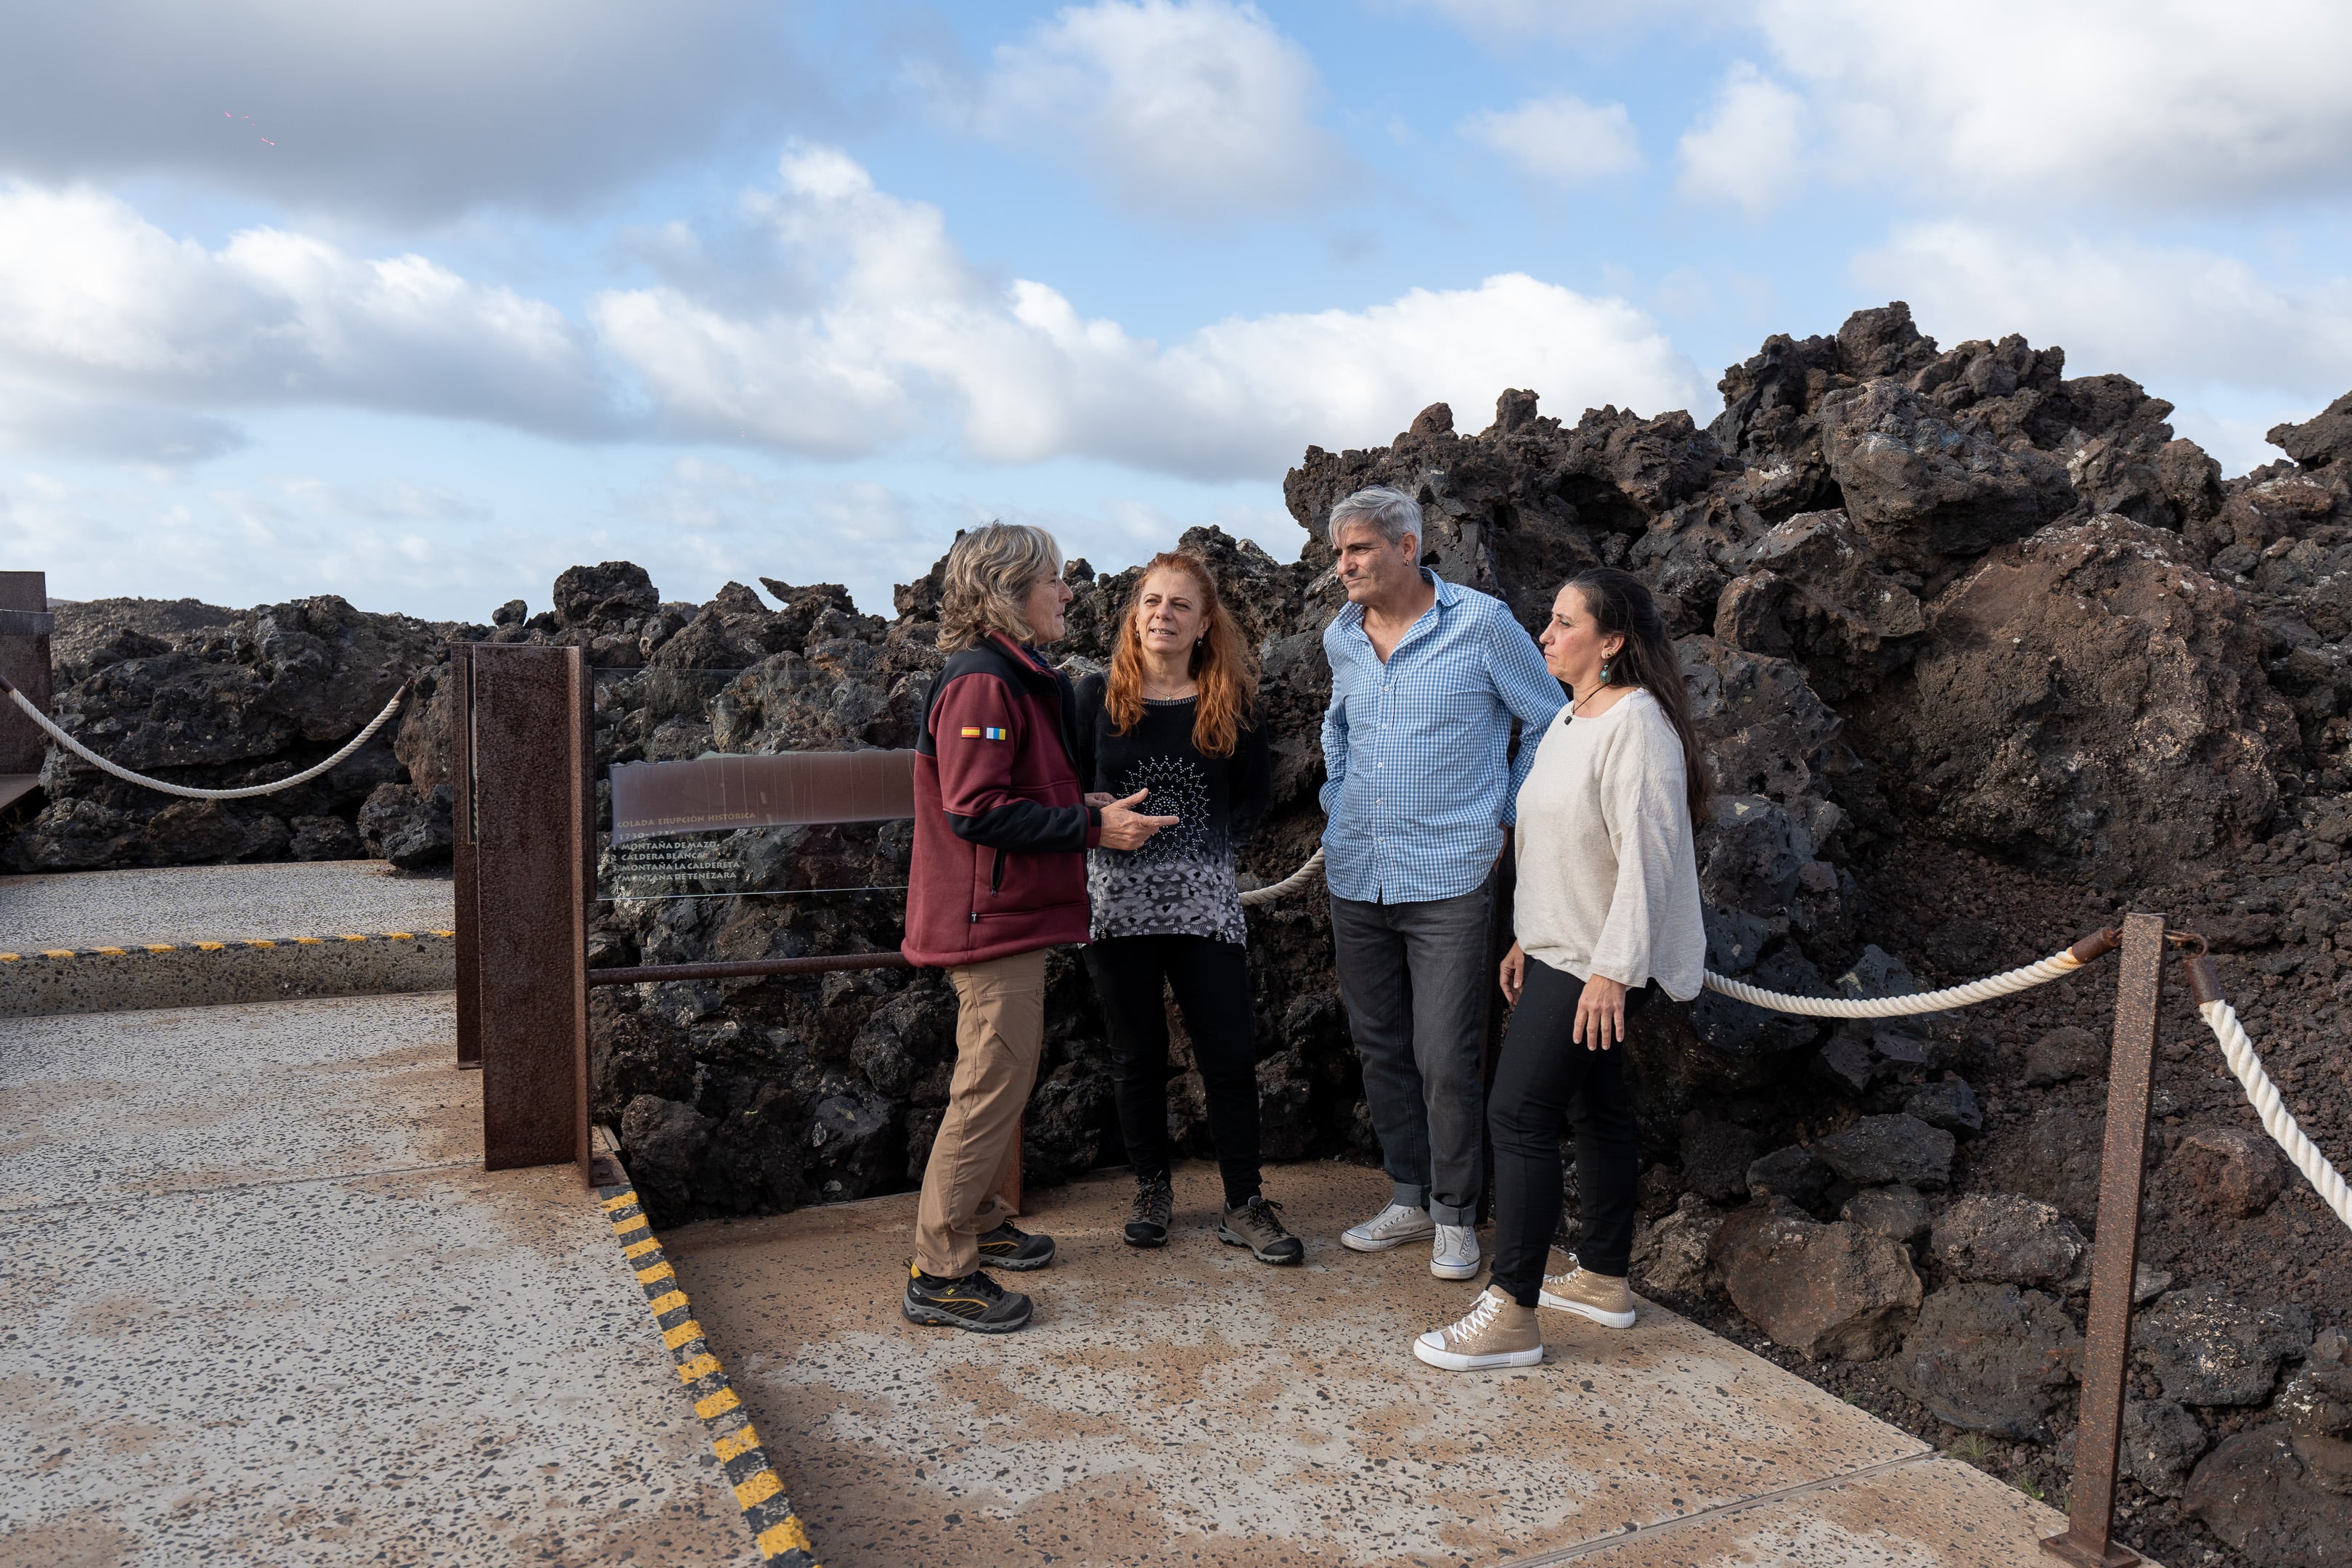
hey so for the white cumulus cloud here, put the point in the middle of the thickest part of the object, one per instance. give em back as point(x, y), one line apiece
point(1747, 150)
point(2150, 103)
point(108, 309)
point(1560, 140)
point(912, 335)
point(1189, 108)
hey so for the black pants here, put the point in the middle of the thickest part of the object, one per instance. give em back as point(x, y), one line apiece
point(1211, 980)
point(1542, 1072)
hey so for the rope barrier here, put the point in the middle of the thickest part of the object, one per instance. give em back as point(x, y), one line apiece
point(2041, 972)
point(1267, 895)
point(2205, 990)
point(63, 739)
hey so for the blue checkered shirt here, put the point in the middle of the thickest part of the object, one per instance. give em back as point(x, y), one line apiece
point(1418, 750)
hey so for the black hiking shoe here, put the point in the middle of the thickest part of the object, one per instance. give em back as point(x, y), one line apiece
point(1005, 1248)
point(1257, 1224)
point(1155, 1205)
point(976, 1302)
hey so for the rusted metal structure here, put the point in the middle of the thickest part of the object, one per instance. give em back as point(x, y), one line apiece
point(2115, 1257)
point(26, 624)
point(525, 822)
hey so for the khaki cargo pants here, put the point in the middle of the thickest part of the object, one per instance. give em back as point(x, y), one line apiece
point(1000, 1033)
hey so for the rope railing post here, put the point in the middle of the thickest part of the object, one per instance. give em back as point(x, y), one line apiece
point(2098, 1434)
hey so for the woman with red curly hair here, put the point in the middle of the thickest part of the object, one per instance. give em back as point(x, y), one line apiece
point(1176, 716)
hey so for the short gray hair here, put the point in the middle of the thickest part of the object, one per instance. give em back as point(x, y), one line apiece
point(1389, 510)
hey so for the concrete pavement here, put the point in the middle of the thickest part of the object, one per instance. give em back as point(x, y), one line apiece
point(1192, 1406)
point(263, 1307)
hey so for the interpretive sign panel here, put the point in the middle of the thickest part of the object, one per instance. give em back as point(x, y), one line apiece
point(787, 789)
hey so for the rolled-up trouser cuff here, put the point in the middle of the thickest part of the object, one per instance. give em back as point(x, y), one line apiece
point(1449, 1214)
point(1412, 1195)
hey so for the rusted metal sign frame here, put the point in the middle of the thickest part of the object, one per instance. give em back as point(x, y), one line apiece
point(25, 624)
point(521, 720)
point(462, 865)
point(2115, 1257)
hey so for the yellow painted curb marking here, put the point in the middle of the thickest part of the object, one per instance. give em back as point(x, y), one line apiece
point(400, 936)
point(160, 947)
point(688, 1329)
point(441, 933)
point(258, 942)
point(624, 1201)
point(56, 952)
point(211, 946)
point(719, 1403)
point(11, 958)
point(742, 1441)
point(758, 1490)
point(779, 1538)
point(702, 1365)
point(110, 951)
point(669, 1303)
point(348, 937)
point(309, 941)
point(639, 1248)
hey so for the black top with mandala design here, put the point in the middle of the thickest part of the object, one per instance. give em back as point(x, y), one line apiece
point(1181, 881)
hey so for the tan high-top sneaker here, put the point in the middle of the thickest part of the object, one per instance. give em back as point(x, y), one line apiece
point(1495, 1331)
point(1604, 1298)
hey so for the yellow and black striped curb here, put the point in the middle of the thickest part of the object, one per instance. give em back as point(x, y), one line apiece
point(132, 950)
point(36, 981)
point(775, 1528)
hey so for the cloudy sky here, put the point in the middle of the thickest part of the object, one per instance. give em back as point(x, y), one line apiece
point(420, 303)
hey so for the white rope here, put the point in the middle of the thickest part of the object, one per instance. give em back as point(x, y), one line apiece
point(86, 754)
point(2222, 1019)
point(2055, 966)
point(1269, 894)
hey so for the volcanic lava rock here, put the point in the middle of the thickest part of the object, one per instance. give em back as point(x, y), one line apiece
point(1878, 1150)
point(2261, 1495)
point(1824, 1290)
point(2241, 1173)
point(1990, 1358)
point(1672, 1255)
point(2065, 1053)
point(1794, 1172)
point(1899, 1214)
point(2007, 1238)
point(2205, 1348)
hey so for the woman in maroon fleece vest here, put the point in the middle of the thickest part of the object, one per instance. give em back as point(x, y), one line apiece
point(1002, 828)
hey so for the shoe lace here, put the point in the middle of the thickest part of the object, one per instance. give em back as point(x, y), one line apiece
point(1267, 1210)
point(1474, 1322)
point(1155, 1200)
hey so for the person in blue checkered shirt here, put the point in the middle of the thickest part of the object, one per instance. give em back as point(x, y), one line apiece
point(1426, 678)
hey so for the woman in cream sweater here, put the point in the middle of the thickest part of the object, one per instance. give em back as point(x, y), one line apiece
point(1608, 913)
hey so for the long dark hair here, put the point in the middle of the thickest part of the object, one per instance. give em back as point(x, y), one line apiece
point(1621, 606)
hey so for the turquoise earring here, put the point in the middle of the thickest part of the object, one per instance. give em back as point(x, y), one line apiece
point(1604, 675)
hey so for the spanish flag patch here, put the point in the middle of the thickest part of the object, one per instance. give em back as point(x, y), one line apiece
point(974, 732)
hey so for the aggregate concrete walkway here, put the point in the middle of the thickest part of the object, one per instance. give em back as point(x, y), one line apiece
point(94, 941)
point(1193, 1406)
point(263, 1307)
point(219, 903)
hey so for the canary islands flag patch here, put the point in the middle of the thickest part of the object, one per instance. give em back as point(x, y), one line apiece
point(974, 733)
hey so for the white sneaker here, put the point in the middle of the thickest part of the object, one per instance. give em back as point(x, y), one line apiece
point(1455, 1255)
point(1393, 1226)
point(1497, 1331)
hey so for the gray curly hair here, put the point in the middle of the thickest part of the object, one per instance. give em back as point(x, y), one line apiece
point(1389, 510)
point(990, 570)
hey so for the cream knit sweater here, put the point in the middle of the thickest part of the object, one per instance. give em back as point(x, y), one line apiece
point(1608, 879)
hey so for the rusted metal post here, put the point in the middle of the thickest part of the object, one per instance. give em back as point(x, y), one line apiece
point(527, 819)
point(2131, 1067)
point(461, 854)
point(24, 628)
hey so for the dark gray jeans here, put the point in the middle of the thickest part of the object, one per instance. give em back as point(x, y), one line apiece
point(1414, 978)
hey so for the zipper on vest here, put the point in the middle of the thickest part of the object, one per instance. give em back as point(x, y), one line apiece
point(996, 877)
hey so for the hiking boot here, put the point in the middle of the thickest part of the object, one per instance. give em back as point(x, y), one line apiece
point(1495, 1331)
point(1393, 1226)
point(1454, 1254)
point(1006, 1247)
point(1606, 1301)
point(1155, 1203)
point(1257, 1224)
point(976, 1302)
